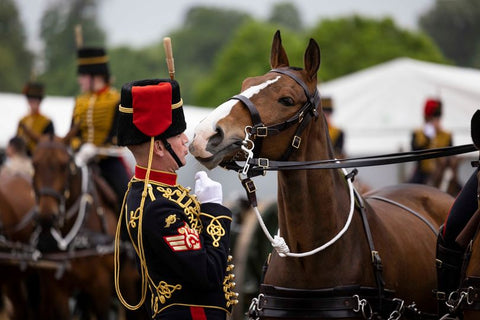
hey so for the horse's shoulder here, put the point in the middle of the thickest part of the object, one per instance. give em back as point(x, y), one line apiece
point(421, 199)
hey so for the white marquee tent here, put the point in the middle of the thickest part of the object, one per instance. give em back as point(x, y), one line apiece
point(379, 107)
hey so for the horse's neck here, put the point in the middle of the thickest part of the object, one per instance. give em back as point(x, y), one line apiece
point(312, 203)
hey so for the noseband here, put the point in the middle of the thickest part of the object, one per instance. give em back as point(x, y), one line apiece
point(259, 130)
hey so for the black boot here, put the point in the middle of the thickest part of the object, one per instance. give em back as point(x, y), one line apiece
point(449, 264)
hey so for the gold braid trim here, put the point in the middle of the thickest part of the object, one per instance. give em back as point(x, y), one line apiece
point(139, 248)
point(190, 206)
point(92, 60)
point(160, 294)
point(215, 228)
point(130, 109)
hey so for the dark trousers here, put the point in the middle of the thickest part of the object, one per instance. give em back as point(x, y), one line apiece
point(462, 209)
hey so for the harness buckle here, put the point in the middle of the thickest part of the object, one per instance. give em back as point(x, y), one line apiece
point(262, 132)
point(250, 186)
point(301, 116)
point(263, 162)
point(296, 142)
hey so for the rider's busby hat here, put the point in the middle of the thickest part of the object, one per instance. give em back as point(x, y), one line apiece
point(150, 108)
point(33, 90)
point(433, 108)
point(92, 61)
point(327, 104)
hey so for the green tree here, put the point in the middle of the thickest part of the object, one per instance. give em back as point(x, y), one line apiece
point(353, 43)
point(454, 26)
point(196, 44)
point(57, 32)
point(15, 59)
point(248, 54)
point(286, 15)
point(130, 64)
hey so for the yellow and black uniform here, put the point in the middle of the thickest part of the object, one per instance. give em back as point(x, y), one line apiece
point(185, 249)
point(337, 138)
point(336, 134)
point(96, 115)
point(36, 122)
point(420, 141)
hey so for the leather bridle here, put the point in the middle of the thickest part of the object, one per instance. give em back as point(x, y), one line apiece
point(258, 131)
point(62, 195)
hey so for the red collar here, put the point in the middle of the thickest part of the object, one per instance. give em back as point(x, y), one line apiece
point(103, 90)
point(156, 176)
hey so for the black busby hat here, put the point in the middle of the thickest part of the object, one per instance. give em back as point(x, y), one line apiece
point(150, 108)
point(327, 104)
point(92, 61)
point(33, 90)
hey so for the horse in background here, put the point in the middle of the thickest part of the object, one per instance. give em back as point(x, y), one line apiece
point(76, 228)
point(318, 210)
point(17, 203)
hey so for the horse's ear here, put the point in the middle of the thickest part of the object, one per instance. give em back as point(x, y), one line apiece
point(312, 59)
point(278, 56)
point(35, 137)
point(475, 129)
point(70, 134)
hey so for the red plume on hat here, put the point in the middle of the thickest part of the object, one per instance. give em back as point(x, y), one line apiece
point(433, 108)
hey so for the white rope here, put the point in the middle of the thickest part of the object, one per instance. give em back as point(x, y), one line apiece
point(279, 244)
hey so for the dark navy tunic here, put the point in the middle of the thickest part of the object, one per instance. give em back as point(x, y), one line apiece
point(183, 249)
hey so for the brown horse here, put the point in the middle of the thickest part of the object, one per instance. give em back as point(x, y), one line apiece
point(17, 202)
point(281, 113)
point(77, 229)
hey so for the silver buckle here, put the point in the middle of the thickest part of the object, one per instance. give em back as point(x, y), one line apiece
point(296, 142)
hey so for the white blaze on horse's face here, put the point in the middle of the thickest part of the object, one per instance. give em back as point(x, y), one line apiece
point(208, 127)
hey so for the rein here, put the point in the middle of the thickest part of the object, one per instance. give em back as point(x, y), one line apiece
point(258, 166)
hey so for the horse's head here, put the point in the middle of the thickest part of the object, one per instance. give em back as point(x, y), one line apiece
point(271, 108)
point(53, 167)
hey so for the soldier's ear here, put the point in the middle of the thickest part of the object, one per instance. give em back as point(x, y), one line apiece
point(159, 148)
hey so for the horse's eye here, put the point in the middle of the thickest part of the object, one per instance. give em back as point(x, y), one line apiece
point(286, 101)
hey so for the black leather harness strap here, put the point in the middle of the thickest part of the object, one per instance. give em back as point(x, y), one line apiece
point(331, 303)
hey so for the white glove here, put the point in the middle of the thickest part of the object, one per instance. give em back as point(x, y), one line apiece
point(206, 189)
point(429, 130)
point(85, 154)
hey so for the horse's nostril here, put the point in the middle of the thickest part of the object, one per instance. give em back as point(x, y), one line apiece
point(217, 138)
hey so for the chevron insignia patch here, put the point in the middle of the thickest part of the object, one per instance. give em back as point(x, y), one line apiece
point(186, 239)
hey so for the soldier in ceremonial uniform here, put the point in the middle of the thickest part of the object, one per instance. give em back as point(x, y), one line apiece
point(431, 135)
point(336, 134)
point(34, 121)
point(96, 114)
point(181, 239)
